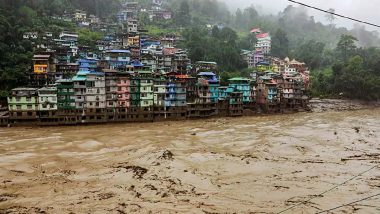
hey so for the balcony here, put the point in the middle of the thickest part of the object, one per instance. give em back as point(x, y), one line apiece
point(65, 87)
point(66, 100)
point(65, 93)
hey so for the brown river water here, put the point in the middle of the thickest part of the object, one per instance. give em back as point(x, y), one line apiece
point(260, 164)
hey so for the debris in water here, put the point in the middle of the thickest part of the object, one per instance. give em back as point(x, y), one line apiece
point(167, 155)
point(357, 129)
point(138, 172)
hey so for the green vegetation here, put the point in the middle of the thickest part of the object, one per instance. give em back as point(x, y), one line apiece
point(15, 54)
point(88, 37)
point(355, 72)
point(155, 30)
point(221, 46)
point(18, 17)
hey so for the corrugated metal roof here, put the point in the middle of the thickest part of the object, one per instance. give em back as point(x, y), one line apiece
point(206, 74)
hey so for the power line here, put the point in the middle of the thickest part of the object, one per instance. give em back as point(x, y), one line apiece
point(335, 14)
point(354, 202)
point(332, 188)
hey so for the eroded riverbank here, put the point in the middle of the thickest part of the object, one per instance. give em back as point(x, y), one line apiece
point(242, 165)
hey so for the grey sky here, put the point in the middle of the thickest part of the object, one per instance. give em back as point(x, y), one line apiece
point(365, 10)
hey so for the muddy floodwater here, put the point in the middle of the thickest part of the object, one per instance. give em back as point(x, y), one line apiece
point(229, 165)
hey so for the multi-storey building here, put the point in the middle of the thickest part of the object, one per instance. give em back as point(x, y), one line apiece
point(48, 106)
point(268, 96)
point(87, 65)
point(80, 90)
point(65, 94)
point(213, 85)
point(146, 88)
point(258, 56)
point(118, 58)
point(242, 85)
point(111, 93)
point(264, 42)
point(23, 105)
point(159, 87)
point(180, 62)
point(96, 98)
point(44, 63)
point(66, 70)
point(132, 26)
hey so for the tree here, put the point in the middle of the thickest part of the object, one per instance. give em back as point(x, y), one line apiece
point(330, 16)
point(346, 47)
point(280, 44)
point(238, 17)
point(215, 32)
point(311, 52)
point(183, 14)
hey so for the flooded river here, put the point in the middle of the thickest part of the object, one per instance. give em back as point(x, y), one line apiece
point(229, 165)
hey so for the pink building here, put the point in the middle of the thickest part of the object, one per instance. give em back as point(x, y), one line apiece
point(123, 93)
point(258, 56)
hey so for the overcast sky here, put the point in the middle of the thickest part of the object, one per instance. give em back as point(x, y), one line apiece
point(365, 10)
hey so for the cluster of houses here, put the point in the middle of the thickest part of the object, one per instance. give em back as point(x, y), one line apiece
point(261, 49)
point(141, 94)
point(132, 77)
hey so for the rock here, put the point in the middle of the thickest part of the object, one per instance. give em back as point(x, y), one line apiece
point(104, 196)
point(167, 155)
point(357, 129)
point(138, 171)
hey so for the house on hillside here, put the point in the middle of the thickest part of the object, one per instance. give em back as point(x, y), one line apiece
point(264, 42)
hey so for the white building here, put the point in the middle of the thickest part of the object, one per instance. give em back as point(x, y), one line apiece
point(80, 15)
point(264, 42)
point(132, 26)
point(47, 99)
point(95, 91)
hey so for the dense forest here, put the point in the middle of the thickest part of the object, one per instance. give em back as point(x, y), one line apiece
point(343, 62)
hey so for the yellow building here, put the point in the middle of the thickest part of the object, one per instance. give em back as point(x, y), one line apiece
point(134, 40)
point(42, 64)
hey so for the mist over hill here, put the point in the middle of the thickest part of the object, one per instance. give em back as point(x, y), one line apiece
point(365, 10)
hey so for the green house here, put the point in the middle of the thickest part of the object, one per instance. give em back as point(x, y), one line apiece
point(23, 99)
point(65, 94)
point(242, 85)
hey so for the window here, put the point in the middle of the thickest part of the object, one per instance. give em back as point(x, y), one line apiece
point(97, 104)
point(29, 107)
point(52, 105)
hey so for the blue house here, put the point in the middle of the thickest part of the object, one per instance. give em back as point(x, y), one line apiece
point(213, 83)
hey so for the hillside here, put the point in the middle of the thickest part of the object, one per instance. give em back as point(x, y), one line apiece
point(294, 34)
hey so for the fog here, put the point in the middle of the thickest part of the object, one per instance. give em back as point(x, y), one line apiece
point(365, 10)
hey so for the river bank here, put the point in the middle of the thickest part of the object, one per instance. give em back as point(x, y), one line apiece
point(323, 105)
point(258, 164)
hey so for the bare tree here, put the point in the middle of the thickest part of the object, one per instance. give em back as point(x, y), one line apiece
point(330, 16)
